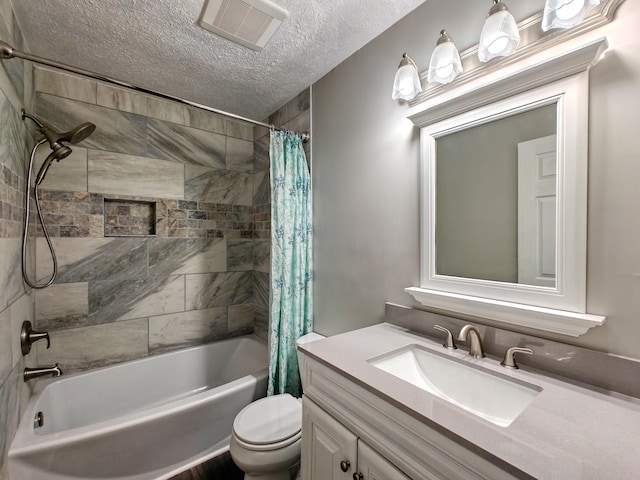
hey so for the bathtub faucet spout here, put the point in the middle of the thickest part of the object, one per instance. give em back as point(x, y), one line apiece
point(30, 373)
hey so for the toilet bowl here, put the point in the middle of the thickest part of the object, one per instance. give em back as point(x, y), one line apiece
point(267, 434)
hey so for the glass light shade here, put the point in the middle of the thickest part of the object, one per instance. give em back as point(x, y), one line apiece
point(445, 62)
point(566, 13)
point(500, 36)
point(406, 85)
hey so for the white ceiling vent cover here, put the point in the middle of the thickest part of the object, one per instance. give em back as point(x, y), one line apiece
point(251, 23)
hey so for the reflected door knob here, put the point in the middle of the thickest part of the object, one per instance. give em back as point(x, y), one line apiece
point(358, 476)
point(344, 465)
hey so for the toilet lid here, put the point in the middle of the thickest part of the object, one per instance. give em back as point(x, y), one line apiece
point(269, 420)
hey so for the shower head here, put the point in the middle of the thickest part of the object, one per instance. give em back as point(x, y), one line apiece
point(55, 138)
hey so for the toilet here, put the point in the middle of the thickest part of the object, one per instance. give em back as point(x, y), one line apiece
point(267, 434)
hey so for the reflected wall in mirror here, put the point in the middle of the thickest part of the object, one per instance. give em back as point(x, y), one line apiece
point(495, 215)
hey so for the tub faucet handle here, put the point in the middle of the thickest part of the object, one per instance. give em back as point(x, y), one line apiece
point(28, 337)
point(448, 342)
point(509, 360)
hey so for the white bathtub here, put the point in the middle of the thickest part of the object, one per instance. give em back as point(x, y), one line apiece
point(144, 419)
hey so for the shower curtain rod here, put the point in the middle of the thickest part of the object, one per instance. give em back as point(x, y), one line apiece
point(7, 52)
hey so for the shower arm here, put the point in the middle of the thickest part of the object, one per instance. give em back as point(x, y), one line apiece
point(8, 52)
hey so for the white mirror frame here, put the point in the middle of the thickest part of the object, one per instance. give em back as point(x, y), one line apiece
point(561, 309)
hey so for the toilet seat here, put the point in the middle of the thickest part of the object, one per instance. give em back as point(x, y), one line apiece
point(270, 423)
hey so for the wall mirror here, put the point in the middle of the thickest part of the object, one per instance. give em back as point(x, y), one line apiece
point(504, 202)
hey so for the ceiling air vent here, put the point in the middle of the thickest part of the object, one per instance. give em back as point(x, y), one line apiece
point(251, 23)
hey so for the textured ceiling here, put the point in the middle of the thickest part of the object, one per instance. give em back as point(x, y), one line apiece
point(157, 44)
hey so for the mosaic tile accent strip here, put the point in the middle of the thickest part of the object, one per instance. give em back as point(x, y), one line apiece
point(11, 203)
point(82, 214)
point(72, 214)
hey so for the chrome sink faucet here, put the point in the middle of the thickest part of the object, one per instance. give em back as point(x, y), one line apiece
point(31, 373)
point(470, 332)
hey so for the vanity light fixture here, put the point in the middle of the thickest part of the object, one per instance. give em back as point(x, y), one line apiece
point(406, 85)
point(566, 13)
point(445, 62)
point(500, 36)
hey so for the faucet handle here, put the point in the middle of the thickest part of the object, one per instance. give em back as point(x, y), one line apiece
point(448, 343)
point(28, 336)
point(509, 360)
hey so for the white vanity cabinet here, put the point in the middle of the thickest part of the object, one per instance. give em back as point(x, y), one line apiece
point(349, 430)
point(330, 451)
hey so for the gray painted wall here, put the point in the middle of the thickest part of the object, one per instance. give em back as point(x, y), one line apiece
point(366, 186)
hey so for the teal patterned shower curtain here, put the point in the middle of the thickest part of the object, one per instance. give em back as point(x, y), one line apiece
point(291, 260)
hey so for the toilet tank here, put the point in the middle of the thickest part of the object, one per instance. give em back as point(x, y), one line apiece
point(309, 337)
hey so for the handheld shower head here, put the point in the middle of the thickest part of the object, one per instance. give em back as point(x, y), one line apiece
point(55, 138)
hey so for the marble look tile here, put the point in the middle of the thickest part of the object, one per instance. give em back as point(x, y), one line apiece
point(64, 85)
point(116, 131)
point(299, 104)
point(261, 322)
point(11, 286)
point(261, 188)
point(6, 12)
point(64, 305)
point(121, 99)
point(279, 117)
point(262, 255)
point(115, 300)
point(85, 348)
point(187, 255)
point(69, 174)
point(259, 132)
point(12, 137)
point(85, 259)
point(239, 254)
point(261, 154)
point(179, 143)
point(179, 330)
point(15, 71)
point(168, 111)
point(218, 289)
point(239, 155)
point(240, 130)
point(217, 186)
point(8, 416)
point(301, 122)
point(7, 88)
point(119, 174)
point(240, 319)
point(207, 121)
point(261, 285)
point(6, 360)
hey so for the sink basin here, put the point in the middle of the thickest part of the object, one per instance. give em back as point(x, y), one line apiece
point(496, 398)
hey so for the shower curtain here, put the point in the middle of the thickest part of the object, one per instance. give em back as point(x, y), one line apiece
point(291, 265)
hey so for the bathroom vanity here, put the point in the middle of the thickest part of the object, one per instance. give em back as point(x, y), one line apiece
point(362, 420)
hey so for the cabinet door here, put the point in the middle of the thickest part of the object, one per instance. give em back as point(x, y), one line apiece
point(329, 450)
point(372, 466)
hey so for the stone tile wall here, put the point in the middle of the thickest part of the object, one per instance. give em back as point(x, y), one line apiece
point(16, 304)
point(129, 285)
point(294, 115)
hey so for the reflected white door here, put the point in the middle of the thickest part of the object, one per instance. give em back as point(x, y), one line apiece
point(537, 212)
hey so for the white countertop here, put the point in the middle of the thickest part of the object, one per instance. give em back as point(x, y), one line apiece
point(569, 431)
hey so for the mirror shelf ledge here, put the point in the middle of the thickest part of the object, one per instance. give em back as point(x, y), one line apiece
point(563, 322)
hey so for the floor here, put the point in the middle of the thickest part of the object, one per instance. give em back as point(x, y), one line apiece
point(218, 468)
